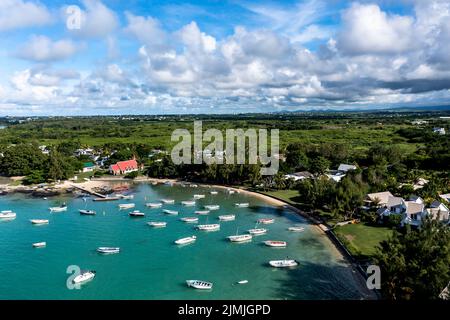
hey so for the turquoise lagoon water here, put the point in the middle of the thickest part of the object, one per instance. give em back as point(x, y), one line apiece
point(150, 266)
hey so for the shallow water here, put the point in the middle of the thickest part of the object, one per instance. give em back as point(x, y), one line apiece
point(149, 265)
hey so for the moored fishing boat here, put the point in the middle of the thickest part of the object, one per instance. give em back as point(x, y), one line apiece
point(136, 213)
point(199, 196)
point(189, 219)
point(242, 282)
point(208, 227)
point(126, 205)
point(87, 212)
point(214, 192)
point(240, 238)
point(106, 199)
point(227, 217)
point(85, 276)
point(7, 214)
point(39, 221)
point(202, 212)
point(186, 240)
point(212, 207)
point(286, 263)
point(154, 204)
point(188, 203)
point(266, 221)
point(108, 250)
point(58, 209)
point(230, 191)
point(157, 224)
point(168, 201)
point(296, 229)
point(274, 243)
point(39, 244)
point(257, 231)
point(125, 197)
point(171, 212)
point(199, 284)
point(242, 205)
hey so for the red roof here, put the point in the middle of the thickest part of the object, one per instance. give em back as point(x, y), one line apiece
point(114, 167)
point(127, 165)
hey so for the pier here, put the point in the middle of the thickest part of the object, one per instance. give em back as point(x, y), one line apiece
point(89, 191)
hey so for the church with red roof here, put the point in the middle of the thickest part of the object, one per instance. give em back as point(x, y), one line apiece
point(123, 167)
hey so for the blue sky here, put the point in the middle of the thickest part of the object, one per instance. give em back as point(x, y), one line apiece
point(153, 57)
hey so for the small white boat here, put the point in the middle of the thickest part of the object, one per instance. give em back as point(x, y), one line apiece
point(199, 196)
point(39, 244)
point(125, 197)
point(168, 183)
point(189, 219)
point(136, 213)
point(227, 217)
point(154, 205)
point(242, 205)
point(108, 250)
point(157, 224)
point(87, 212)
point(242, 282)
point(208, 227)
point(168, 201)
point(266, 221)
point(188, 203)
point(240, 238)
point(58, 209)
point(186, 240)
point(277, 244)
point(286, 263)
point(7, 214)
point(39, 221)
point(214, 192)
point(126, 205)
point(212, 207)
point(296, 229)
point(230, 191)
point(84, 277)
point(172, 212)
point(199, 284)
point(202, 212)
point(257, 231)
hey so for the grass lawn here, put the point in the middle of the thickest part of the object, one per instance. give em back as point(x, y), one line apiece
point(360, 239)
point(289, 196)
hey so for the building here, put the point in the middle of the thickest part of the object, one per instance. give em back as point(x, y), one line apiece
point(299, 175)
point(89, 167)
point(124, 167)
point(413, 213)
point(346, 167)
point(380, 198)
point(439, 130)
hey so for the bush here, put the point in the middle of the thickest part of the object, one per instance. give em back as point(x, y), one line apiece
point(132, 175)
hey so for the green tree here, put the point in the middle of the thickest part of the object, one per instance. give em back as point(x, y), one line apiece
point(415, 265)
point(319, 165)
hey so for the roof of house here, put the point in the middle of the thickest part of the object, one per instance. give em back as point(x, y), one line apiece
point(383, 197)
point(437, 204)
point(436, 212)
point(88, 165)
point(416, 199)
point(346, 167)
point(394, 201)
point(126, 165)
point(115, 167)
point(414, 207)
point(305, 174)
point(445, 196)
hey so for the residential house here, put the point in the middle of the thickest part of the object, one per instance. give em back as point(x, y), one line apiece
point(299, 175)
point(84, 152)
point(439, 130)
point(124, 167)
point(416, 199)
point(44, 149)
point(394, 205)
point(445, 197)
point(414, 213)
point(89, 167)
point(438, 210)
point(381, 198)
point(335, 175)
point(346, 167)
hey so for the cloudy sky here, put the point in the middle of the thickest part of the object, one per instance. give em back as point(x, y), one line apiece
point(154, 57)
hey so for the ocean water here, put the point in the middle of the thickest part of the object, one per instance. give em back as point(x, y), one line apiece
point(150, 265)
